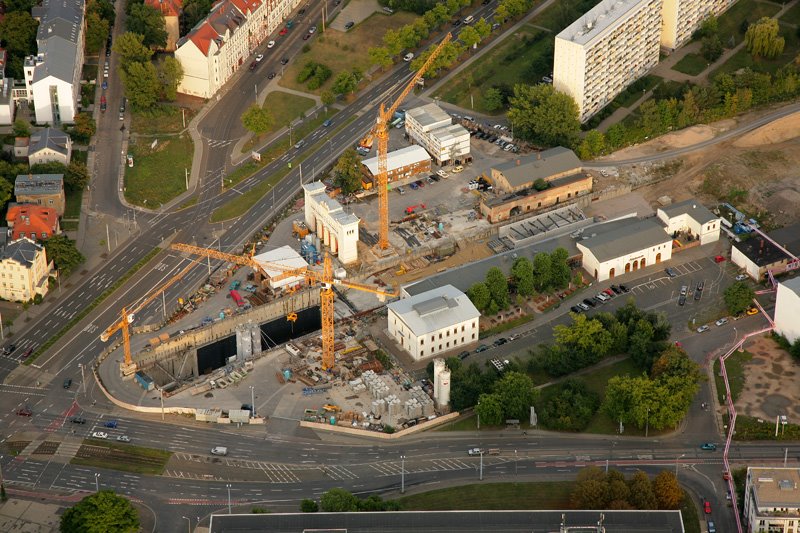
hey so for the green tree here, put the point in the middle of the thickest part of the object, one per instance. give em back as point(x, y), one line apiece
point(498, 287)
point(96, 32)
point(308, 506)
point(170, 74)
point(18, 5)
point(380, 56)
point(711, 48)
point(642, 496)
point(18, 31)
point(585, 340)
point(344, 83)
point(522, 272)
point(709, 27)
point(327, 97)
point(480, 296)
point(593, 144)
point(347, 172)
point(667, 491)
point(338, 501)
point(738, 297)
point(392, 41)
point(568, 406)
point(99, 513)
point(590, 494)
point(483, 28)
point(492, 99)
point(762, 38)
point(76, 176)
point(84, 127)
point(560, 272)
point(542, 271)
point(149, 23)
point(22, 128)
point(490, 409)
point(640, 344)
point(104, 8)
point(130, 48)
point(516, 394)
point(192, 12)
point(618, 492)
point(62, 251)
point(543, 115)
point(469, 36)
point(257, 119)
point(141, 85)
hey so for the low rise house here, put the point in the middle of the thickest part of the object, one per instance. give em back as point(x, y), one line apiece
point(46, 190)
point(171, 10)
point(32, 221)
point(693, 218)
point(401, 165)
point(49, 145)
point(285, 256)
point(24, 270)
point(756, 255)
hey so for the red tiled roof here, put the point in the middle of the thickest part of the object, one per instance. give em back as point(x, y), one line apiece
point(226, 15)
point(203, 36)
point(29, 219)
point(168, 8)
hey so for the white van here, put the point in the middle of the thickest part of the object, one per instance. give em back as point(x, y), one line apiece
point(469, 19)
point(219, 450)
point(408, 57)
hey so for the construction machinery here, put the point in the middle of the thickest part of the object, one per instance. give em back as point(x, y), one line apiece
point(412, 208)
point(126, 318)
point(324, 277)
point(381, 131)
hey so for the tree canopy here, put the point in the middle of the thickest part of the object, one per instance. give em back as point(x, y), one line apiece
point(544, 116)
point(338, 501)
point(170, 74)
point(99, 513)
point(738, 297)
point(347, 172)
point(257, 119)
point(62, 251)
point(131, 49)
point(762, 38)
point(142, 86)
point(147, 21)
point(18, 37)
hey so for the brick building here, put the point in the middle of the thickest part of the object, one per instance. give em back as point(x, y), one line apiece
point(401, 165)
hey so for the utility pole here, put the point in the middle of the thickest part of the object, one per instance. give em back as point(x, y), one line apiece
point(253, 400)
point(480, 478)
point(108, 240)
point(186, 175)
point(402, 474)
point(162, 404)
point(164, 304)
point(229, 497)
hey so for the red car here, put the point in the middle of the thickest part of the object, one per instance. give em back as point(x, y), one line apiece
point(707, 507)
point(253, 65)
point(609, 292)
point(283, 31)
point(27, 353)
point(24, 411)
point(719, 259)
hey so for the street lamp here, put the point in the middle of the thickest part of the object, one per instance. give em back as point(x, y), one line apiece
point(515, 463)
point(402, 474)
point(252, 401)
point(188, 523)
point(97, 481)
point(480, 478)
point(478, 412)
point(229, 497)
point(676, 464)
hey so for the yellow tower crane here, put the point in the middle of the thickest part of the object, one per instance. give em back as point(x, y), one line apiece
point(325, 278)
point(382, 133)
point(127, 317)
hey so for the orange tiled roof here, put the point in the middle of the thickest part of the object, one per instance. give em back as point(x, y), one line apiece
point(225, 16)
point(168, 8)
point(31, 219)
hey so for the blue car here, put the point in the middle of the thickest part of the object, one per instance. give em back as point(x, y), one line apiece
point(414, 186)
point(111, 424)
point(327, 123)
point(105, 84)
point(708, 446)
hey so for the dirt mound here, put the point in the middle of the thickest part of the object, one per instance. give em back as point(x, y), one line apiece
point(678, 139)
point(773, 133)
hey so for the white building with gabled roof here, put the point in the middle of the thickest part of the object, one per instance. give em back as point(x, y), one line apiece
point(693, 218)
point(285, 256)
point(433, 322)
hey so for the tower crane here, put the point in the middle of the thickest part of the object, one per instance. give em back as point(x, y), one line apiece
point(325, 278)
point(127, 317)
point(381, 130)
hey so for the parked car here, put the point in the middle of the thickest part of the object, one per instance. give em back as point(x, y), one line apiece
point(307, 36)
point(721, 322)
point(718, 259)
point(100, 435)
point(457, 169)
point(270, 44)
point(349, 25)
point(77, 420)
point(624, 288)
point(609, 292)
point(408, 57)
point(752, 311)
point(388, 10)
point(588, 302)
point(312, 30)
point(67, 383)
point(703, 328)
point(111, 424)
point(474, 451)
point(283, 31)
point(742, 277)
point(285, 61)
point(235, 284)
point(670, 272)
point(401, 190)
point(710, 446)
point(481, 348)
point(271, 75)
point(711, 527)
point(413, 186)
point(575, 309)
point(583, 306)
point(616, 289)
point(259, 57)
point(24, 411)
point(441, 173)
point(682, 299)
point(463, 355)
point(124, 438)
point(420, 184)
point(707, 507)
point(252, 66)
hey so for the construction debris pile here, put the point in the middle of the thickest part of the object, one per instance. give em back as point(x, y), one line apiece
point(386, 404)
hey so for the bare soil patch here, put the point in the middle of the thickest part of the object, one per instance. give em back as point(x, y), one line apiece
point(771, 386)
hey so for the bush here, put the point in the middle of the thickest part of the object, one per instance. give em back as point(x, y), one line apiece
point(568, 406)
point(309, 506)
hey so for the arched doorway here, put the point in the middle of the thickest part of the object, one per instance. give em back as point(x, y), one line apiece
point(644, 262)
point(595, 273)
point(636, 265)
point(611, 273)
point(627, 267)
point(658, 257)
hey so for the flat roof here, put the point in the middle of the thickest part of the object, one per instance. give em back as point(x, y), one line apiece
point(530, 191)
point(410, 155)
point(776, 487)
point(762, 252)
point(285, 256)
point(792, 284)
point(524, 170)
point(38, 184)
point(435, 309)
point(428, 115)
point(450, 521)
point(700, 213)
point(627, 239)
point(598, 19)
point(316, 190)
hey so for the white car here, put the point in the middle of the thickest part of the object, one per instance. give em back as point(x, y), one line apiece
point(741, 277)
point(124, 438)
point(702, 329)
point(270, 44)
point(721, 322)
point(441, 173)
point(259, 57)
point(312, 30)
point(100, 435)
point(474, 451)
point(408, 57)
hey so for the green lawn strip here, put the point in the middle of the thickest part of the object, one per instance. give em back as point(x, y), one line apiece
point(629, 96)
point(691, 64)
point(689, 514)
point(73, 203)
point(242, 203)
point(189, 202)
point(792, 16)
point(108, 292)
point(158, 174)
point(743, 59)
point(343, 51)
point(122, 457)
point(750, 428)
point(505, 326)
point(730, 22)
point(465, 423)
point(285, 108)
point(161, 120)
point(734, 367)
point(563, 13)
point(596, 381)
point(500, 496)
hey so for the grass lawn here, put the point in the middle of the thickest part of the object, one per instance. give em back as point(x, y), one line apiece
point(73, 203)
point(344, 51)
point(285, 108)
point(158, 174)
point(506, 64)
point(742, 59)
point(730, 22)
point(163, 119)
point(734, 366)
point(244, 202)
point(792, 16)
point(562, 13)
point(466, 423)
point(542, 495)
point(124, 457)
point(629, 96)
point(596, 382)
point(691, 64)
point(505, 326)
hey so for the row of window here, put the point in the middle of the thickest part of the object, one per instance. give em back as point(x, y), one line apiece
point(33, 235)
point(446, 346)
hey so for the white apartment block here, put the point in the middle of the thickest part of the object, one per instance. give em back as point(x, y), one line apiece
point(607, 49)
point(682, 17)
point(433, 129)
point(772, 500)
point(220, 44)
point(325, 216)
point(24, 270)
point(53, 75)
